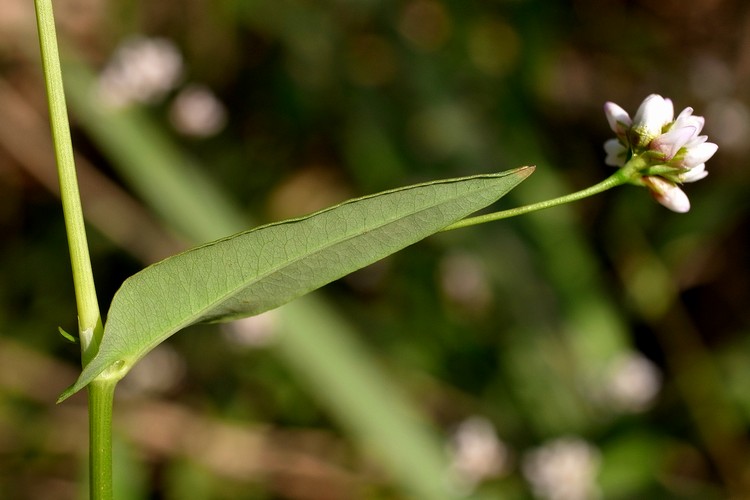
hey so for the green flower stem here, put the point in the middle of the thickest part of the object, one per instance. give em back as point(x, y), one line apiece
point(89, 319)
point(622, 176)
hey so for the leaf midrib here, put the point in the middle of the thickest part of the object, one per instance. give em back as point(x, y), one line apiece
point(192, 319)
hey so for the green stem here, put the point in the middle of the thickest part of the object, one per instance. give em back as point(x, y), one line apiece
point(622, 176)
point(89, 319)
point(90, 329)
point(101, 397)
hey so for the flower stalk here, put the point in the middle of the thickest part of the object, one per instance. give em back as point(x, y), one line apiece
point(617, 179)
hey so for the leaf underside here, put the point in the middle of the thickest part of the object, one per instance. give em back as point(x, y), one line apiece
point(266, 267)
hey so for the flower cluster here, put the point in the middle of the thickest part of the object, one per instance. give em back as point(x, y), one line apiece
point(668, 150)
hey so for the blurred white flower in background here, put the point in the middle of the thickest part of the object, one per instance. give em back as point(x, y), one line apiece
point(628, 383)
point(563, 469)
point(731, 123)
point(197, 112)
point(477, 453)
point(159, 372)
point(632, 382)
point(254, 331)
point(464, 282)
point(141, 70)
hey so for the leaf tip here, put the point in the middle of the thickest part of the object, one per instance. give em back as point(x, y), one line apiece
point(68, 392)
point(526, 170)
point(89, 373)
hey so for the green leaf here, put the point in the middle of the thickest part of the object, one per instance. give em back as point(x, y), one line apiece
point(261, 269)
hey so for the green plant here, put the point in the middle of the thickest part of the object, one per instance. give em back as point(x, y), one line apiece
point(263, 268)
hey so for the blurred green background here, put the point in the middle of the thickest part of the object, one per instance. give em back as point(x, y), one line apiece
point(598, 350)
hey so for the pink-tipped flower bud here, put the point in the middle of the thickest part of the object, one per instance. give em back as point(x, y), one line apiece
point(619, 119)
point(667, 193)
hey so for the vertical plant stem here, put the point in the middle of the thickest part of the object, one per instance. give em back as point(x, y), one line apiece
point(101, 396)
point(89, 319)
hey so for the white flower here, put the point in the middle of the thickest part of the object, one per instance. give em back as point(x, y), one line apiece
point(696, 173)
point(684, 132)
point(196, 111)
point(631, 382)
point(616, 153)
point(477, 453)
point(697, 154)
point(256, 331)
point(669, 143)
point(563, 469)
point(652, 116)
point(669, 150)
point(142, 70)
point(158, 373)
point(686, 118)
point(667, 193)
point(619, 119)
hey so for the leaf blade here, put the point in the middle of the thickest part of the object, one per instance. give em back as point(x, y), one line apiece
point(263, 268)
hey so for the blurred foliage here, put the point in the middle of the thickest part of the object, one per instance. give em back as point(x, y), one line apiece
point(524, 322)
